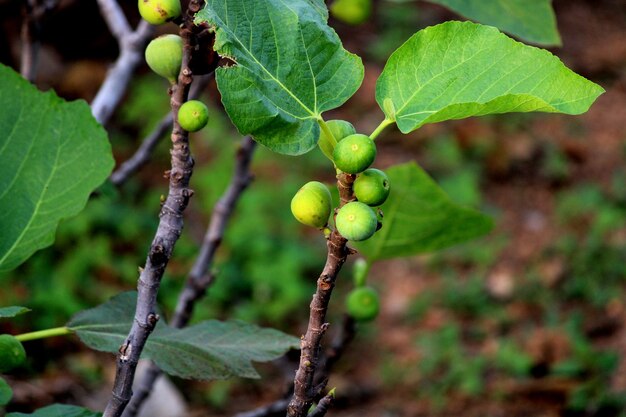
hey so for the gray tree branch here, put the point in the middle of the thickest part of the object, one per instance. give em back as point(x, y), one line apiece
point(34, 11)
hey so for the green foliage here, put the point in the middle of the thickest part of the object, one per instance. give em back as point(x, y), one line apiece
point(532, 21)
point(447, 72)
point(59, 410)
point(207, 350)
point(12, 311)
point(54, 155)
point(289, 68)
point(420, 218)
point(6, 393)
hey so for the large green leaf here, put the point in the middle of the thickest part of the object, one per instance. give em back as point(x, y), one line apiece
point(12, 311)
point(6, 393)
point(419, 217)
point(289, 67)
point(53, 154)
point(530, 20)
point(208, 350)
point(461, 69)
point(59, 410)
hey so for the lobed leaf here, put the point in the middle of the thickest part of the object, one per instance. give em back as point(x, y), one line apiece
point(7, 312)
point(59, 410)
point(460, 69)
point(419, 217)
point(54, 154)
point(530, 20)
point(289, 67)
point(207, 350)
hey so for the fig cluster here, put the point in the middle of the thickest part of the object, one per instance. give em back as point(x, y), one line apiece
point(353, 154)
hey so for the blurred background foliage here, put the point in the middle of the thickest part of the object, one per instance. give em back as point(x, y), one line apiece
point(527, 321)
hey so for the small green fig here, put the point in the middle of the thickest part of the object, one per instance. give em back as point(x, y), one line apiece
point(363, 304)
point(356, 221)
point(12, 353)
point(193, 115)
point(340, 129)
point(372, 187)
point(164, 56)
point(312, 204)
point(360, 269)
point(158, 12)
point(353, 12)
point(354, 153)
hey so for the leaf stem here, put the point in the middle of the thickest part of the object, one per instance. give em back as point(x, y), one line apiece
point(42, 334)
point(380, 128)
point(327, 131)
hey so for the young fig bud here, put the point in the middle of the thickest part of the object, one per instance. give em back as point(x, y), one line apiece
point(356, 221)
point(340, 129)
point(363, 304)
point(12, 353)
point(193, 115)
point(312, 204)
point(158, 12)
point(164, 56)
point(353, 12)
point(354, 153)
point(372, 187)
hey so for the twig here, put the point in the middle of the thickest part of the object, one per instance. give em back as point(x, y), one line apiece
point(34, 10)
point(323, 405)
point(144, 152)
point(200, 277)
point(168, 232)
point(304, 387)
point(131, 45)
point(274, 409)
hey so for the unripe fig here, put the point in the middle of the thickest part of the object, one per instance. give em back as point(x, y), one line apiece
point(193, 115)
point(158, 12)
point(312, 204)
point(164, 56)
point(356, 221)
point(354, 153)
point(340, 129)
point(12, 353)
point(363, 303)
point(353, 12)
point(372, 187)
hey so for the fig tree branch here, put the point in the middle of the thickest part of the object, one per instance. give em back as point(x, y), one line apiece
point(33, 13)
point(148, 145)
point(131, 44)
point(305, 389)
point(200, 276)
point(167, 234)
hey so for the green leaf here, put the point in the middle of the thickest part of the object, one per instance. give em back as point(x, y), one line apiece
point(461, 69)
point(419, 217)
point(12, 311)
point(530, 20)
point(208, 350)
point(6, 393)
point(54, 154)
point(59, 410)
point(289, 67)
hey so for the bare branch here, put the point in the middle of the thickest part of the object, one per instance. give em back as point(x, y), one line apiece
point(323, 405)
point(304, 386)
point(115, 19)
point(131, 46)
point(144, 152)
point(200, 278)
point(274, 409)
point(167, 234)
point(34, 11)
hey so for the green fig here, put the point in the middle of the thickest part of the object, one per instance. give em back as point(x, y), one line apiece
point(353, 12)
point(12, 353)
point(193, 115)
point(158, 12)
point(372, 187)
point(164, 56)
point(363, 304)
point(354, 153)
point(356, 221)
point(340, 129)
point(312, 204)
